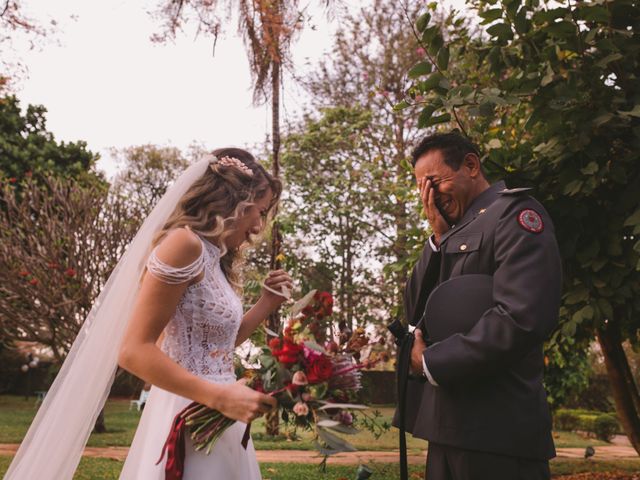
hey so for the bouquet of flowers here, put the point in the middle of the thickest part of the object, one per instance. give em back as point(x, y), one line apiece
point(313, 368)
point(313, 371)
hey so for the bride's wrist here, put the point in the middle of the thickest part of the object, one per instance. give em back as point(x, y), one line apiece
point(271, 302)
point(213, 396)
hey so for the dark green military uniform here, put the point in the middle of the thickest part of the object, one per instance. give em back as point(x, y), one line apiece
point(490, 396)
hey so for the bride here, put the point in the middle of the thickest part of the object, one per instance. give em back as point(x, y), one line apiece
point(173, 318)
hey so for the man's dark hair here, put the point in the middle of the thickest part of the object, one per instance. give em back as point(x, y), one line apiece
point(453, 145)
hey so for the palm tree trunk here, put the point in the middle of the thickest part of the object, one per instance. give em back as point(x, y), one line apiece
point(272, 419)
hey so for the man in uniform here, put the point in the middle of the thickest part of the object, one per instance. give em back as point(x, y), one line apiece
point(483, 407)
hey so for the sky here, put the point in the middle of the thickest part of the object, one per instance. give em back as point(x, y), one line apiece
point(104, 81)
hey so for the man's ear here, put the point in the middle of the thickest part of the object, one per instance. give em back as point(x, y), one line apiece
point(471, 162)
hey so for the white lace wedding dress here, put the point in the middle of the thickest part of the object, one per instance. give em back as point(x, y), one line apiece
point(201, 337)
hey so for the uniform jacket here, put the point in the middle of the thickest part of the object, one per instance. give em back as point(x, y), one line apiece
point(490, 395)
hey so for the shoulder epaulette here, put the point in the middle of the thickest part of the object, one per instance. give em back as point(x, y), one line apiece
point(514, 191)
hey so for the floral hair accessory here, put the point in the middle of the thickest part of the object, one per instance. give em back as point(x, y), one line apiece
point(234, 162)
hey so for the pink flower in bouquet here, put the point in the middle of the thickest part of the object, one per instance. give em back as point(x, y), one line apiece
point(331, 347)
point(301, 409)
point(299, 378)
point(310, 355)
point(345, 418)
point(319, 369)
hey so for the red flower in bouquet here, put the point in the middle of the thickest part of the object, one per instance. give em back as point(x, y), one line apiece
point(286, 351)
point(321, 307)
point(319, 368)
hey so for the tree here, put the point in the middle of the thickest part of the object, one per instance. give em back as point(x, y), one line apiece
point(368, 67)
point(13, 19)
point(148, 171)
point(28, 149)
point(329, 209)
point(49, 271)
point(554, 98)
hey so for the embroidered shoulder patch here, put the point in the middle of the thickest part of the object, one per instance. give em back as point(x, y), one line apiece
point(530, 220)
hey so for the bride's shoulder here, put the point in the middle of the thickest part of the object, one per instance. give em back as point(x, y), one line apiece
point(180, 248)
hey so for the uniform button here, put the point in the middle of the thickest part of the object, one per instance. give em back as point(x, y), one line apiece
point(463, 247)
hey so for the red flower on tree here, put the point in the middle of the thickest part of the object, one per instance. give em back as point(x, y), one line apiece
point(23, 273)
point(70, 272)
point(33, 281)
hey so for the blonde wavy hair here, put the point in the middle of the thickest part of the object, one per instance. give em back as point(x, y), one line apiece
point(215, 201)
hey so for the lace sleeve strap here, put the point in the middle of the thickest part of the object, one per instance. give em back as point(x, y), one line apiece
point(174, 275)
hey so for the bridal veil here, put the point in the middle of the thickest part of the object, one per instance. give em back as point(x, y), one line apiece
point(52, 448)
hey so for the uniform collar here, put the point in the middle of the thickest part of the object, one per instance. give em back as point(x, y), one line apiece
point(477, 207)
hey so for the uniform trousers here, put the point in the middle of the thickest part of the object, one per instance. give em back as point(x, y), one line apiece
point(451, 463)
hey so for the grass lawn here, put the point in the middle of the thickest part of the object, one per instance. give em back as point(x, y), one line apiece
point(16, 415)
point(106, 469)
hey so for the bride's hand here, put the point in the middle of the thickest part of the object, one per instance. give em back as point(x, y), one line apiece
point(239, 402)
point(277, 281)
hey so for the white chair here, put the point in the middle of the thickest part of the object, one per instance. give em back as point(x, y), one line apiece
point(144, 394)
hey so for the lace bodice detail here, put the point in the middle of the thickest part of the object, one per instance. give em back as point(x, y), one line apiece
point(201, 334)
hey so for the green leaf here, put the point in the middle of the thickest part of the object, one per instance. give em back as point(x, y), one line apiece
point(602, 119)
point(486, 109)
point(579, 294)
point(605, 308)
point(491, 15)
point(400, 106)
point(424, 117)
point(270, 332)
point(335, 442)
point(635, 112)
point(562, 29)
point(443, 58)
point(327, 422)
point(302, 303)
point(550, 15)
point(595, 13)
point(314, 346)
point(346, 429)
point(445, 117)
point(569, 328)
point(432, 82)
point(548, 77)
point(521, 23)
point(429, 34)
point(420, 69)
point(500, 30)
point(573, 187)
point(436, 44)
point(343, 406)
point(633, 220)
point(590, 169)
point(423, 21)
point(603, 62)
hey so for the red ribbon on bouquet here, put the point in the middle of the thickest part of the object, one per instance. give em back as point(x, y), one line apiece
point(175, 450)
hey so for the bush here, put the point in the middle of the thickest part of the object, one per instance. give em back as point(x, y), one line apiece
point(566, 420)
point(605, 427)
